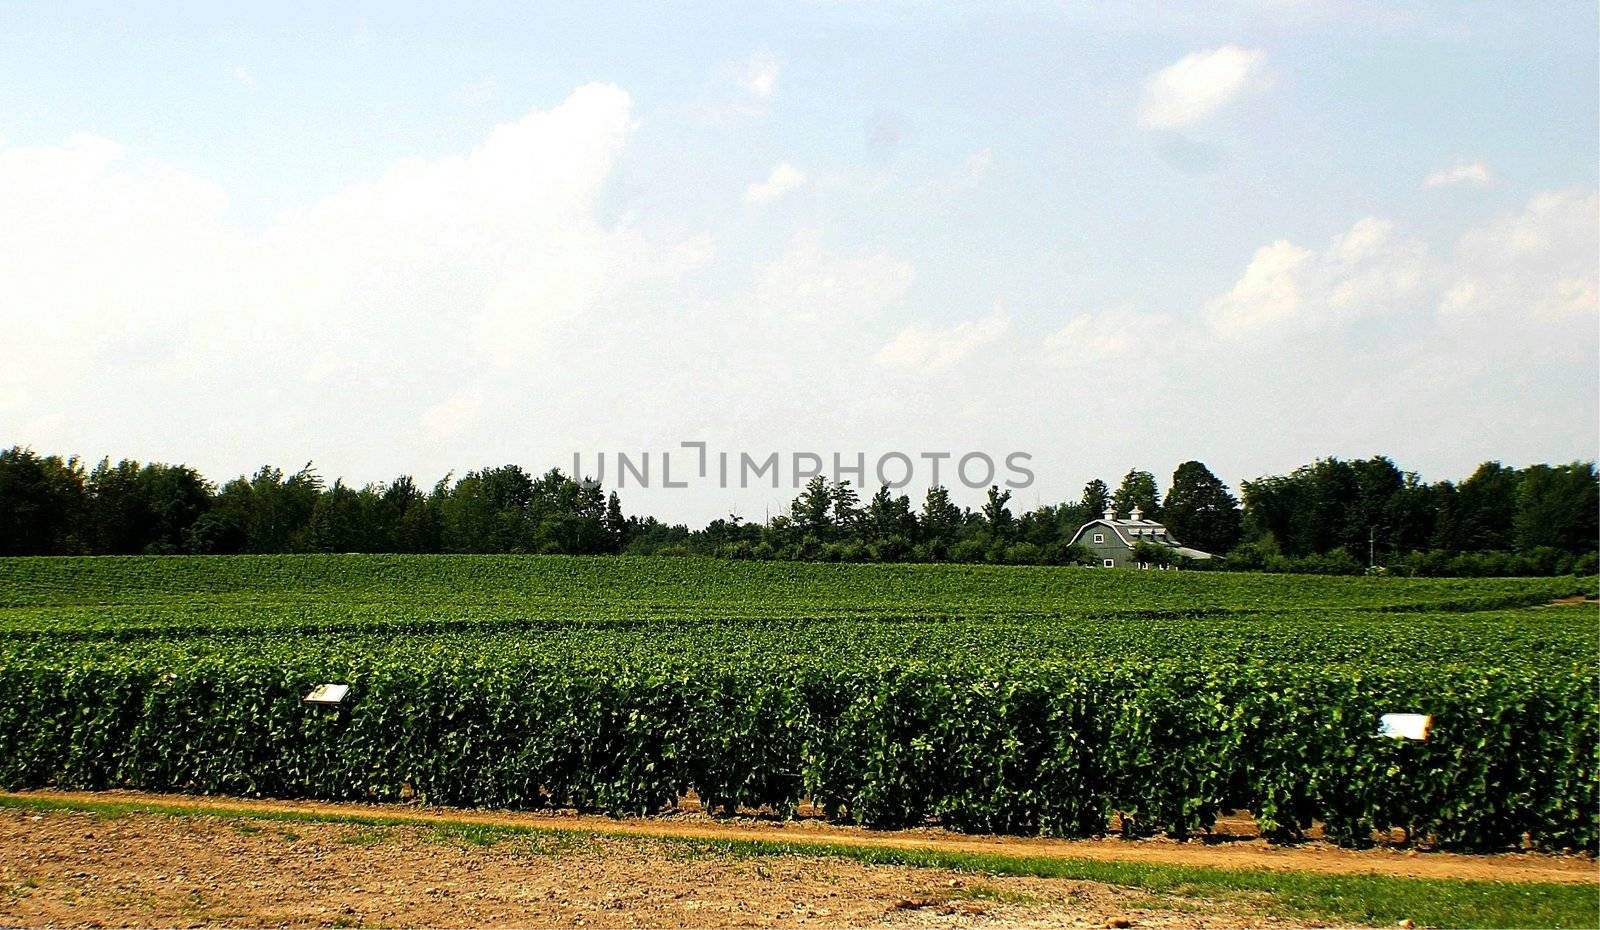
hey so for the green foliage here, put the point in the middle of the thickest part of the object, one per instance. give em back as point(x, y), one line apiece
point(42, 500)
point(993, 698)
point(1200, 511)
point(940, 522)
point(1153, 553)
point(1138, 489)
point(1558, 506)
point(1479, 515)
point(996, 515)
point(1096, 498)
point(812, 511)
point(1372, 507)
point(135, 508)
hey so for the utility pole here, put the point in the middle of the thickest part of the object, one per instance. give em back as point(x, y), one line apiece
point(1372, 545)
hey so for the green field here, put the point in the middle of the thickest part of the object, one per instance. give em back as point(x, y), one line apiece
point(1009, 699)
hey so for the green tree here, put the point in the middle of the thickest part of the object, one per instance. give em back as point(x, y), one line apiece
point(145, 509)
point(1484, 510)
point(996, 515)
point(811, 511)
point(940, 522)
point(1201, 511)
point(730, 538)
point(1381, 510)
point(1273, 505)
point(340, 522)
point(1330, 504)
point(411, 517)
point(846, 509)
point(488, 511)
point(264, 513)
point(1557, 506)
point(225, 528)
point(588, 502)
point(119, 517)
point(1096, 498)
point(1138, 489)
point(889, 526)
point(1043, 525)
point(616, 526)
point(42, 504)
point(1411, 515)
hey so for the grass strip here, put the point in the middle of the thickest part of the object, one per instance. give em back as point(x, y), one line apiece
point(1377, 900)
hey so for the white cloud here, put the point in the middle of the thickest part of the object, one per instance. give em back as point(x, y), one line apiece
point(1538, 263)
point(807, 284)
point(511, 223)
point(1199, 84)
point(1372, 273)
point(759, 74)
point(1268, 292)
point(743, 88)
point(937, 349)
point(244, 76)
point(98, 255)
point(1474, 173)
point(1365, 272)
point(782, 179)
point(128, 280)
point(1089, 341)
point(1535, 264)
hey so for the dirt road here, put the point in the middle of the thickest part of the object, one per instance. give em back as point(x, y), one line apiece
point(1230, 854)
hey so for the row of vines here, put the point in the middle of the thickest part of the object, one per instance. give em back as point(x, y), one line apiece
point(1038, 748)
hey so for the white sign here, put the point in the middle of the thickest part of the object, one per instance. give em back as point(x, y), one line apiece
point(327, 694)
point(1405, 726)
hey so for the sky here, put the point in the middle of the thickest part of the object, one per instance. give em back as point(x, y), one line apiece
point(417, 239)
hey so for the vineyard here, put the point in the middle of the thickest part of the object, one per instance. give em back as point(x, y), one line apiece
point(1055, 701)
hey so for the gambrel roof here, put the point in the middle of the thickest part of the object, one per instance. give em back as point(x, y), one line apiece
point(1135, 529)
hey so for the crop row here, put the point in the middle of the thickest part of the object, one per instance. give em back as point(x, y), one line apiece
point(1418, 642)
point(601, 584)
point(1052, 748)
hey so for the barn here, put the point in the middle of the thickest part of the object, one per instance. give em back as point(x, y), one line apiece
point(1112, 539)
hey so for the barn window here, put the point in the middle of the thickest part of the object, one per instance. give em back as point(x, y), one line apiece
point(1099, 537)
point(1111, 563)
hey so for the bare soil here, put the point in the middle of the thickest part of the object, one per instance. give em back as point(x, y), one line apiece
point(71, 869)
point(1234, 847)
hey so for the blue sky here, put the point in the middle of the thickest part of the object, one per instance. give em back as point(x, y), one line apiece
point(406, 238)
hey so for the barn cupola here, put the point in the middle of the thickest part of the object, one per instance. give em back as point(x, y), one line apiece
point(1137, 514)
point(1110, 514)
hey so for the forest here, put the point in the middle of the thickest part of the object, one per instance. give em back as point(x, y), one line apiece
point(1332, 516)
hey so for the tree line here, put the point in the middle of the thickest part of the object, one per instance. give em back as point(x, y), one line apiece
point(54, 506)
point(1331, 516)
